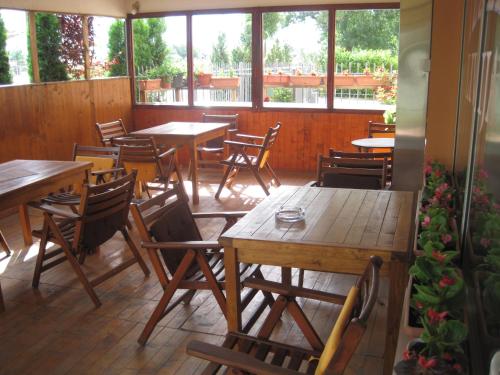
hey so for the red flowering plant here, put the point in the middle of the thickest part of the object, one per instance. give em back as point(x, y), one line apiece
point(438, 191)
point(435, 227)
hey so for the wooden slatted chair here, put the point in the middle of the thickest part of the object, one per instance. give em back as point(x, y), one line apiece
point(102, 211)
point(352, 173)
point(379, 129)
point(175, 246)
point(367, 155)
point(216, 146)
point(109, 130)
point(154, 169)
point(259, 355)
point(241, 157)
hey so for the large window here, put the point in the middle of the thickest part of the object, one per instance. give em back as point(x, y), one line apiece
point(222, 57)
point(160, 60)
point(13, 47)
point(366, 58)
point(295, 46)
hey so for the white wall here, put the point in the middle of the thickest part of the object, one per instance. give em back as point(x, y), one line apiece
point(115, 8)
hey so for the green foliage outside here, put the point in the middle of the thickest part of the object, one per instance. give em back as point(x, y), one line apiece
point(117, 52)
point(5, 76)
point(150, 51)
point(279, 54)
point(49, 41)
point(282, 95)
point(359, 59)
point(219, 56)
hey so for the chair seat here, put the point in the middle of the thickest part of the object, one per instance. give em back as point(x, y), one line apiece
point(67, 228)
point(240, 160)
point(67, 198)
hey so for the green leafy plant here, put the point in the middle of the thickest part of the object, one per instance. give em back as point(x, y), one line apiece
point(117, 51)
point(390, 116)
point(434, 227)
point(282, 95)
point(5, 76)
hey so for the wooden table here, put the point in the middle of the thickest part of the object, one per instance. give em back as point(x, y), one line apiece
point(367, 143)
point(24, 180)
point(342, 229)
point(189, 134)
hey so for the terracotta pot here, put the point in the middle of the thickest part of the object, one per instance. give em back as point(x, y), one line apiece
point(166, 84)
point(369, 81)
point(344, 80)
point(409, 329)
point(149, 84)
point(225, 82)
point(491, 343)
point(305, 81)
point(204, 79)
point(276, 80)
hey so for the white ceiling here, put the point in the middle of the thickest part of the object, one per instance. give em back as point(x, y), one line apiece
point(119, 8)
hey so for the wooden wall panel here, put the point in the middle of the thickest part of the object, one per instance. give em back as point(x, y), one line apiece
point(303, 136)
point(42, 121)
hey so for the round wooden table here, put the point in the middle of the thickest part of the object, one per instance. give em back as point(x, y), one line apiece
point(367, 143)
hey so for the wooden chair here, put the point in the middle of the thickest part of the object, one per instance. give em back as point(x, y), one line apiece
point(102, 211)
point(352, 173)
point(215, 147)
point(109, 130)
point(169, 233)
point(105, 167)
point(367, 155)
point(154, 169)
point(241, 158)
point(4, 245)
point(259, 355)
point(379, 129)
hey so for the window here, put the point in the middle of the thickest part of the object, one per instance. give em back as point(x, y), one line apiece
point(222, 59)
point(160, 60)
point(108, 51)
point(13, 47)
point(295, 49)
point(366, 58)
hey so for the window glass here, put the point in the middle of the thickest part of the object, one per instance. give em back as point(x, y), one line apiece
point(13, 47)
point(366, 58)
point(160, 60)
point(295, 49)
point(222, 59)
point(108, 53)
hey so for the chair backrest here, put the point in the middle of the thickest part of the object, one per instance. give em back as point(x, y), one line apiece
point(379, 129)
point(267, 144)
point(232, 119)
point(102, 158)
point(354, 173)
point(109, 130)
point(166, 218)
point(351, 323)
point(104, 210)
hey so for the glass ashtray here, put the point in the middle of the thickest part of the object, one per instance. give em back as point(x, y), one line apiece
point(290, 214)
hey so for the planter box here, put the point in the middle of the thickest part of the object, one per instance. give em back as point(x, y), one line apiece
point(344, 80)
point(166, 84)
point(305, 81)
point(149, 84)
point(276, 80)
point(204, 79)
point(408, 328)
point(492, 343)
point(225, 82)
point(369, 81)
point(453, 226)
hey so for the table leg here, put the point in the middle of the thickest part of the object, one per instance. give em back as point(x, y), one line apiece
point(3, 244)
point(25, 224)
point(194, 172)
point(233, 295)
point(398, 272)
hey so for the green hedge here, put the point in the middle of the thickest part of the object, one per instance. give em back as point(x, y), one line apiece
point(361, 58)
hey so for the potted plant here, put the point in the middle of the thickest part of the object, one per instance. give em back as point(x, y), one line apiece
point(305, 80)
point(150, 80)
point(278, 79)
point(344, 79)
point(390, 116)
point(223, 82)
point(203, 79)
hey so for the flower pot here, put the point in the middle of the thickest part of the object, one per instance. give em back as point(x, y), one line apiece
point(344, 80)
point(368, 81)
point(149, 84)
point(225, 82)
point(305, 81)
point(410, 326)
point(166, 84)
point(276, 80)
point(490, 340)
point(204, 79)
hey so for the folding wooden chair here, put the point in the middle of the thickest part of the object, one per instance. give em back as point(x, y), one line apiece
point(175, 246)
point(241, 158)
point(351, 173)
point(102, 211)
point(367, 156)
point(3, 244)
point(215, 147)
point(379, 129)
point(109, 130)
point(259, 355)
point(154, 169)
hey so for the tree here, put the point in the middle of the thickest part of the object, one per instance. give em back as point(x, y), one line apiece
point(117, 53)
point(72, 43)
point(159, 50)
point(150, 51)
point(5, 76)
point(219, 56)
point(48, 39)
point(279, 54)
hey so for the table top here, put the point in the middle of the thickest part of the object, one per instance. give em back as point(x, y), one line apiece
point(374, 142)
point(17, 175)
point(334, 218)
point(188, 129)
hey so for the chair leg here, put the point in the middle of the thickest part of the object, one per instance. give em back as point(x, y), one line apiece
point(41, 255)
point(273, 174)
point(223, 181)
point(232, 177)
point(135, 252)
point(259, 180)
point(188, 297)
point(212, 282)
point(273, 317)
point(3, 244)
point(301, 277)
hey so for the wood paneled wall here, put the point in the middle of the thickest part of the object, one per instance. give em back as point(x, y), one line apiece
point(303, 136)
point(42, 121)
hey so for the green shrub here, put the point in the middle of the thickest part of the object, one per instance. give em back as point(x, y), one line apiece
point(282, 95)
point(5, 76)
point(359, 59)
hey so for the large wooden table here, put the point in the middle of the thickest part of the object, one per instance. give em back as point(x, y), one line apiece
point(189, 134)
point(24, 180)
point(342, 229)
